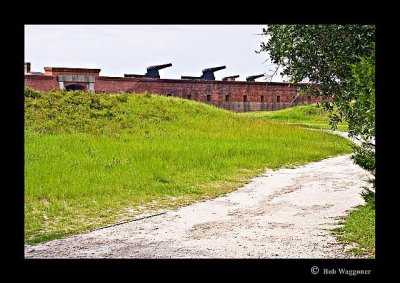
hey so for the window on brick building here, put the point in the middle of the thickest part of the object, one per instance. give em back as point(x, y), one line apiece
point(168, 94)
point(208, 97)
point(309, 99)
point(189, 96)
point(262, 98)
point(244, 98)
point(227, 97)
point(278, 98)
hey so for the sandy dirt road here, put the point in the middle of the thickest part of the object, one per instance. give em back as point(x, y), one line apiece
point(287, 213)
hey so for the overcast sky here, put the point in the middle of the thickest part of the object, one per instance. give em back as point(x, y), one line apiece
point(130, 49)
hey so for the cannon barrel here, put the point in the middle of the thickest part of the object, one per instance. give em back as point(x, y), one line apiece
point(208, 74)
point(214, 69)
point(159, 67)
point(252, 78)
point(152, 71)
point(230, 78)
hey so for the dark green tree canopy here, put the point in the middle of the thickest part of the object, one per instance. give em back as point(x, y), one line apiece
point(321, 54)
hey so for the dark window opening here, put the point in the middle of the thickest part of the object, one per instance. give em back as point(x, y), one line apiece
point(189, 96)
point(208, 97)
point(226, 97)
point(74, 87)
point(309, 99)
point(262, 98)
point(169, 94)
point(244, 98)
point(278, 99)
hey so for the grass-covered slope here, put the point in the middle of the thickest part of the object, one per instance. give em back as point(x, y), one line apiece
point(92, 160)
point(309, 116)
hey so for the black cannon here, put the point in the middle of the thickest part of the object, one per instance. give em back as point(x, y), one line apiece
point(208, 74)
point(230, 78)
point(252, 78)
point(152, 72)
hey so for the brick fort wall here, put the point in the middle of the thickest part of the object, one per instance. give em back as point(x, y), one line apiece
point(231, 95)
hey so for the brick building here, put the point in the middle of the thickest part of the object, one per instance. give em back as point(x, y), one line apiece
point(227, 94)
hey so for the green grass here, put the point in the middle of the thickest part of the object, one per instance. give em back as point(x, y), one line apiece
point(92, 160)
point(308, 116)
point(358, 231)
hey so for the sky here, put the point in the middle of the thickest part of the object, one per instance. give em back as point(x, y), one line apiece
point(130, 49)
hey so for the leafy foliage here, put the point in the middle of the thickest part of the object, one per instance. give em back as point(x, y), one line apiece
point(361, 111)
point(321, 54)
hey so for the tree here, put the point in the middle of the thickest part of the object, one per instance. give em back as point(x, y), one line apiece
point(338, 64)
point(360, 111)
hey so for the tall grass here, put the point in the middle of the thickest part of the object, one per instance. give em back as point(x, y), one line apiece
point(92, 160)
point(308, 116)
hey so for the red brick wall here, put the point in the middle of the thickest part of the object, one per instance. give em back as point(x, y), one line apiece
point(198, 90)
point(43, 83)
point(55, 71)
point(116, 84)
point(217, 90)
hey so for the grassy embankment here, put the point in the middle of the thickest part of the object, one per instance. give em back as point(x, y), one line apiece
point(93, 160)
point(308, 116)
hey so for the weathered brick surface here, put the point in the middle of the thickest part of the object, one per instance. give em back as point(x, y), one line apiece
point(232, 95)
point(225, 94)
point(43, 83)
point(55, 71)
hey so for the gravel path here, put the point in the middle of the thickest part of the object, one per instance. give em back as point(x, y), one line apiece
point(285, 213)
